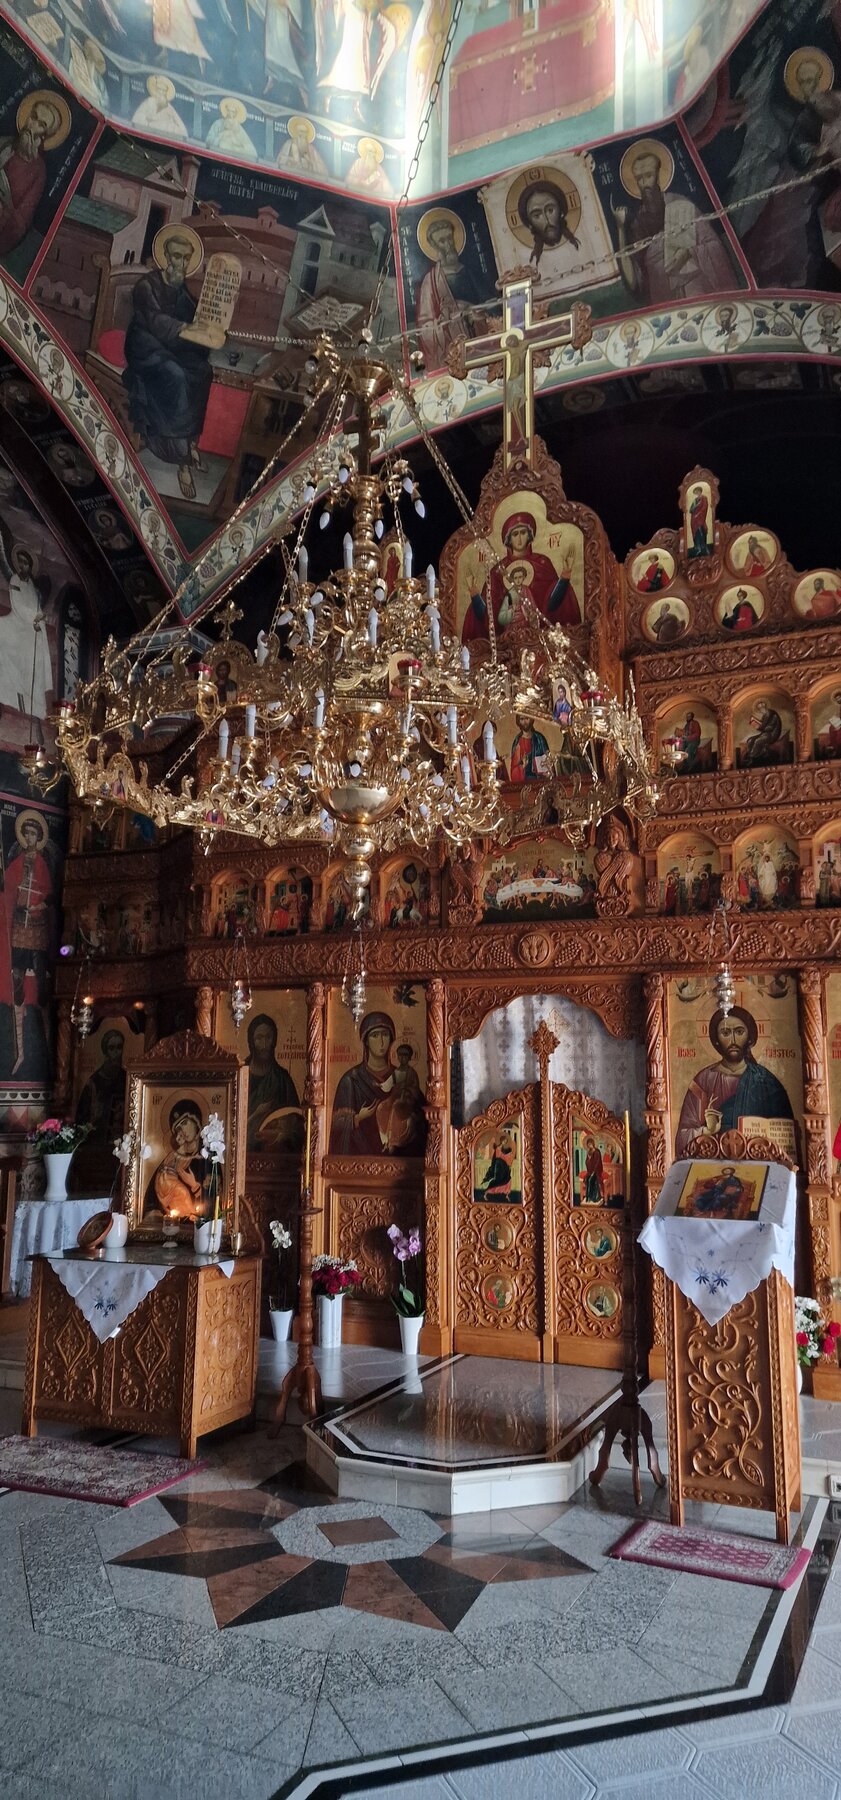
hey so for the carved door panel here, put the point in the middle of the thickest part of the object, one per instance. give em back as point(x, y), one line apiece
point(498, 1231)
point(589, 1217)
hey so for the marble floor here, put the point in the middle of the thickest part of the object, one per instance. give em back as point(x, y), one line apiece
point(245, 1634)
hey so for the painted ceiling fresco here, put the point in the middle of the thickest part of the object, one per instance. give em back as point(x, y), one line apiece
point(337, 89)
point(163, 300)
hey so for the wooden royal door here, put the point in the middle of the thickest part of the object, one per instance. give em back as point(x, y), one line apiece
point(498, 1247)
point(588, 1187)
point(539, 1215)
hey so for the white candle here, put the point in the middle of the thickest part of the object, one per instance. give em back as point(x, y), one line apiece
point(303, 563)
point(262, 650)
point(407, 560)
point(465, 658)
point(235, 756)
point(224, 734)
point(318, 716)
point(309, 621)
point(488, 743)
point(434, 618)
point(373, 622)
point(465, 772)
point(452, 725)
point(347, 546)
point(430, 581)
point(250, 721)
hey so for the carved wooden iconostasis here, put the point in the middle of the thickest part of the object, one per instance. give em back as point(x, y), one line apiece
point(736, 659)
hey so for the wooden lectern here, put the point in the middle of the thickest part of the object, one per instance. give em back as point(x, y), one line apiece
point(731, 1389)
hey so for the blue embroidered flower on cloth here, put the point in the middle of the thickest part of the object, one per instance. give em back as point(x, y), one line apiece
point(106, 1307)
point(712, 1279)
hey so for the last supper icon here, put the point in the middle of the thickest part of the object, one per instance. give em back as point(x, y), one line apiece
point(497, 1170)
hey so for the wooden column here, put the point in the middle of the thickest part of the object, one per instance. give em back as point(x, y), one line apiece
point(658, 1145)
point(314, 1096)
point(63, 1081)
point(204, 1011)
point(724, 716)
point(437, 1334)
point(802, 729)
point(544, 1042)
point(817, 1171)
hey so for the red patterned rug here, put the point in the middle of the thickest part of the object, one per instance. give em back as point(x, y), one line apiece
point(74, 1471)
point(698, 1550)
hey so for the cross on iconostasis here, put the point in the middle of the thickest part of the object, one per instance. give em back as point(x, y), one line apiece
point(516, 345)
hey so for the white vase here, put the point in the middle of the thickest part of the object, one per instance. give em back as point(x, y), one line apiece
point(329, 1321)
point(202, 1230)
point(217, 1226)
point(57, 1165)
point(118, 1235)
point(281, 1324)
point(410, 1330)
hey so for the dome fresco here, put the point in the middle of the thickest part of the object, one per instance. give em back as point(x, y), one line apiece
point(161, 298)
point(336, 89)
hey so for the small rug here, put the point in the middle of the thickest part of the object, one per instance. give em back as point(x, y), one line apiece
point(74, 1471)
point(698, 1550)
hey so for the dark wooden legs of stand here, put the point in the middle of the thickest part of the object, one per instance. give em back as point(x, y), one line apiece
point(303, 1378)
point(630, 1422)
point(627, 1419)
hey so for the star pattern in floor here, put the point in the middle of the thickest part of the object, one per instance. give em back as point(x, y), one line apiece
point(282, 1548)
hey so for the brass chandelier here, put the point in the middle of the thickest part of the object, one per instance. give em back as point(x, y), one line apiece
point(357, 721)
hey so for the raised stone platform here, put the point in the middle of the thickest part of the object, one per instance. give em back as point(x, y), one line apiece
point(466, 1434)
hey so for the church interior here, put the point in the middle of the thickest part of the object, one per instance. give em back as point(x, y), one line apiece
point(420, 918)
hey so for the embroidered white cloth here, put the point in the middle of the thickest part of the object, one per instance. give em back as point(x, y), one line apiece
point(42, 1226)
point(107, 1293)
point(716, 1262)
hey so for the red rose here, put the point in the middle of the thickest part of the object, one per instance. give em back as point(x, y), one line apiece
point(834, 1328)
point(828, 1346)
point(802, 1339)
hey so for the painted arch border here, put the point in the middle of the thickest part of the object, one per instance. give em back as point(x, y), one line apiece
point(771, 328)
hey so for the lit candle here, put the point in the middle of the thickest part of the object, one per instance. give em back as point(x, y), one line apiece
point(373, 622)
point(347, 546)
point(452, 725)
point(224, 734)
point(407, 560)
point(488, 743)
point(308, 1150)
point(318, 716)
point(430, 581)
point(303, 563)
point(250, 721)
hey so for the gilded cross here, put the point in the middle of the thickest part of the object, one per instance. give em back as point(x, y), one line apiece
point(521, 338)
point(230, 612)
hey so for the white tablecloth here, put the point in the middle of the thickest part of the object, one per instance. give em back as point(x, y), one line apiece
point(716, 1262)
point(107, 1292)
point(45, 1225)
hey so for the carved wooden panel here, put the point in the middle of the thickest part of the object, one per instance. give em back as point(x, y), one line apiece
point(185, 1361)
point(225, 1346)
point(362, 1201)
point(498, 1278)
point(733, 1419)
